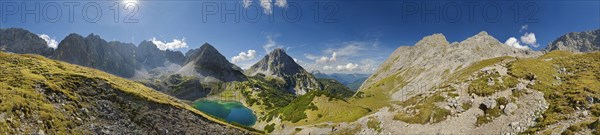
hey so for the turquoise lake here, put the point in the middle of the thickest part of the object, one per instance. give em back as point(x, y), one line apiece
point(231, 111)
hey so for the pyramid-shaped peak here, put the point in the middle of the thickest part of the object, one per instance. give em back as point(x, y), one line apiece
point(93, 36)
point(433, 40)
point(73, 35)
point(482, 33)
point(278, 63)
point(146, 43)
point(480, 38)
point(207, 46)
point(278, 51)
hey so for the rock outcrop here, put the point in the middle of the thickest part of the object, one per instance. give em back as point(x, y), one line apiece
point(587, 41)
point(21, 41)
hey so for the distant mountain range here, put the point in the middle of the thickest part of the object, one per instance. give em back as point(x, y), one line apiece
point(350, 80)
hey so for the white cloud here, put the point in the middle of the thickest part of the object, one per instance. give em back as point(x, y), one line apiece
point(349, 66)
point(271, 44)
point(247, 3)
point(49, 41)
point(311, 57)
point(175, 44)
point(343, 67)
point(324, 59)
point(367, 67)
point(524, 28)
point(513, 42)
point(349, 48)
point(529, 39)
point(244, 56)
point(267, 6)
point(281, 3)
point(355, 48)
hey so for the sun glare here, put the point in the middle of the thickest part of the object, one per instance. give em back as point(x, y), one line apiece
point(130, 1)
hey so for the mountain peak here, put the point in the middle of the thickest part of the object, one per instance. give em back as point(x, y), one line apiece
point(482, 33)
point(433, 40)
point(481, 39)
point(93, 36)
point(73, 35)
point(207, 46)
point(206, 61)
point(278, 64)
point(278, 50)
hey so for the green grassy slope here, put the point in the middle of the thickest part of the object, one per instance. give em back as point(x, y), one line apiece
point(30, 84)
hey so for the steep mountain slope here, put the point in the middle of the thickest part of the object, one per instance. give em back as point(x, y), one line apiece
point(426, 64)
point(21, 41)
point(210, 66)
point(586, 41)
point(280, 65)
point(42, 96)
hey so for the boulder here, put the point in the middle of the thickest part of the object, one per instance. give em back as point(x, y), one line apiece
point(521, 86)
point(489, 103)
point(590, 99)
point(510, 108)
point(490, 82)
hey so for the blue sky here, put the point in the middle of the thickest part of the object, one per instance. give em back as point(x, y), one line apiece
point(360, 33)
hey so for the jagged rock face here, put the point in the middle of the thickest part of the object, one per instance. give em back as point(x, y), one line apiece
point(423, 64)
point(175, 57)
point(209, 65)
point(21, 41)
point(92, 51)
point(149, 55)
point(122, 59)
point(279, 64)
point(587, 41)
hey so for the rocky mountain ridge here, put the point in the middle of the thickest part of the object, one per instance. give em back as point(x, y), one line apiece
point(586, 41)
point(17, 40)
point(434, 56)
